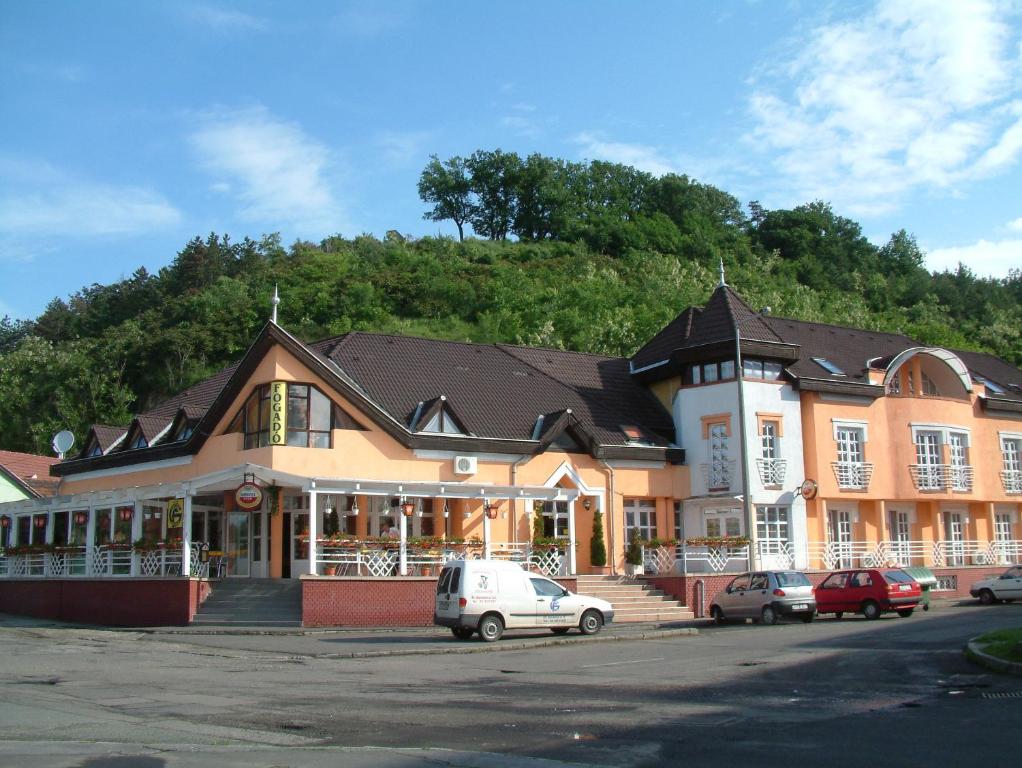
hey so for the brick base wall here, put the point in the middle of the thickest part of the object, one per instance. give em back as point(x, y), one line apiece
point(373, 602)
point(109, 602)
point(687, 588)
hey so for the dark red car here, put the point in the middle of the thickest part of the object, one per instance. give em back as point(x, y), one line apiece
point(868, 591)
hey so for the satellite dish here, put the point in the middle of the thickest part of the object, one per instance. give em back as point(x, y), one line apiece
point(63, 441)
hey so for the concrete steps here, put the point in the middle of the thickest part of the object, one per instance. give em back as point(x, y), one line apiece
point(634, 600)
point(252, 603)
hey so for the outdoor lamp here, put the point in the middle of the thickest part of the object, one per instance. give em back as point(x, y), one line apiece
point(447, 512)
point(407, 507)
point(40, 522)
point(126, 513)
point(491, 510)
point(5, 521)
point(81, 518)
point(587, 504)
point(354, 507)
point(329, 506)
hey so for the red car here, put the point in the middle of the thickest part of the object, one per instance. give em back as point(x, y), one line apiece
point(868, 591)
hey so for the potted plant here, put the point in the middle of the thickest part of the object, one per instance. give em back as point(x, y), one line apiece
point(633, 555)
point(597, 547)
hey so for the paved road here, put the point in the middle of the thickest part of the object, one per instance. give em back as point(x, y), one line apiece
point(836, 693)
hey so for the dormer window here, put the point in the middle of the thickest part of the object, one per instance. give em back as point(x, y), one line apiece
point(442, 422)
point(184, 432)
point(140, 442)
point(708, 373)
point(996, 389)
point(94, 449)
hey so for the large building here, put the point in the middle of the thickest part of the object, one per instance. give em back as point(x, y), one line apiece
point(733, 439)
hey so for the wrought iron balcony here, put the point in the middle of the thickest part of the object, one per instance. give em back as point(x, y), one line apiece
point(719, 475)
point(771, 471)
point(853, 475)
point(1012, 480)
point(940, 477)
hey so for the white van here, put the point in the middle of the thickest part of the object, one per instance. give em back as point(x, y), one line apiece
point(489, 596)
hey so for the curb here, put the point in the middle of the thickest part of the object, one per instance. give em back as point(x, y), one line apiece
point(972, 650)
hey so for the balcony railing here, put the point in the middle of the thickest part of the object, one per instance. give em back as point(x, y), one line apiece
point(99, 561)
point(772, 471)
point(718, 475)
point(940, 477)
point(853, 475)
point(1012, 480)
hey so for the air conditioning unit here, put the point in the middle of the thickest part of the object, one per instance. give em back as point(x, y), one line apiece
point(465, 465)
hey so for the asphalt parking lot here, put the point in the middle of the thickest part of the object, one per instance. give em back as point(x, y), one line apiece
point(829, 693)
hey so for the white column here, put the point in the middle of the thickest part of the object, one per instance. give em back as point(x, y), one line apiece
point(136, 534)
point(90, 539)
point(313, 528)
point(186, 537)
point(486, 533)
point(403, 548)
point(572, 568)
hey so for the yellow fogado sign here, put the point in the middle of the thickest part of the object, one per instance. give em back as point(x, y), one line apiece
point(278, 413)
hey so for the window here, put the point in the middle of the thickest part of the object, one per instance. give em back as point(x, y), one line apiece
point(772, 525)
point(442, 421)
point(769, 440)
point(1011, 454)
point(720, 465)
point(140, 442)
point(928, 461)
point(707, 373)
point(94, 449)
point(928, 387)
point(961, 475)
point(761, 369)
point(679, 524)
point(555, 519)
point(723, 522)
point(862, 579)
point(640, 519)
point(546, 588)
point(849, 445)
point(310, 417)
point(894, 385)
point(828, 366)
point(1002, 526)
point(996, 389)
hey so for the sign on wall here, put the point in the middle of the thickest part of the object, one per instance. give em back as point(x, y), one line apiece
point(278, 413)
point(175, 513)
point(248, 496)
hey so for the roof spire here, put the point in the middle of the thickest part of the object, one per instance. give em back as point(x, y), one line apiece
point(276, 301)
point(722, 281)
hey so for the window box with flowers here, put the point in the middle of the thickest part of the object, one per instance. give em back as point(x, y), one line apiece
point(718, 542)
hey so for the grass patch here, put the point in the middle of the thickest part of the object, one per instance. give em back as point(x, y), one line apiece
point(1003, 643)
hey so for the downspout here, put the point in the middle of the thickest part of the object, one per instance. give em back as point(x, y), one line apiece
point(610, 514)
point(746, 491)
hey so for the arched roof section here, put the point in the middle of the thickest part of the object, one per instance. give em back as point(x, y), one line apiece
point(954, 364)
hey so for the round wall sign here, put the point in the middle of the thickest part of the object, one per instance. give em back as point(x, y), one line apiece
point(808, 489)
point(248, 496)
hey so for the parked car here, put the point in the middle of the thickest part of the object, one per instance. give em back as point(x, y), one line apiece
point(1006, 587)
point(487, 596)
point(764, 596)
point(869, 591)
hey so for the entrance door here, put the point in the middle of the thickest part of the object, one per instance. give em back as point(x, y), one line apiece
point(954, 534)
point(239, 562)
point(839, 533)
point(900, 537)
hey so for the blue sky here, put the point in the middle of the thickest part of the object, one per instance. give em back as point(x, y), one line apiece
point(128, 128)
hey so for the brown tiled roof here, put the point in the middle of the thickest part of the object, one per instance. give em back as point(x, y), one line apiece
point(725, 311)
point(106, 436)
point(848, 348)
point(497, 391)
point(30, 472)
point(198, 397)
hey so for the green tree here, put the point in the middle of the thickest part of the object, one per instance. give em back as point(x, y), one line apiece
point(494, 180)
point(597, 546)
point(447, 187)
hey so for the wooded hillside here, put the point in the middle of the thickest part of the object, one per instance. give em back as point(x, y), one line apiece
point(594, 257)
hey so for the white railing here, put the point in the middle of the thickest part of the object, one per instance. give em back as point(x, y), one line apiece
point(938, 477)
point(772, 471)
point(718, 475)
point(660, 560)
point(775, 555)
point(853, 475)
point(1012, 480)
point(939, 554)
point(373, 559)
point(715, 559)
point(102, 561)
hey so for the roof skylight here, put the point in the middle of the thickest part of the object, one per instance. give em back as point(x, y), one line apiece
point(997, 389)
point(828, 366)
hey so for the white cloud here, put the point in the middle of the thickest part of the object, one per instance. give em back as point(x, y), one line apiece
point(912, 94)
point(640, 156)
point(985, 258)
point(38, 199)
point(403, 147)
point(279, 174)
point(225, 19)
point(1016, 225)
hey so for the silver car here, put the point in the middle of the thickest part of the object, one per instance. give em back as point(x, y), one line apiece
point(765, 596)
